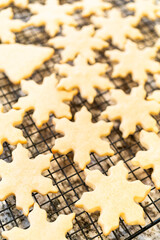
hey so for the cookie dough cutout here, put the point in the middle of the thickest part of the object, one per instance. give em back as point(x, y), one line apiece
point(96, 7)
point(8, 132)
point(51, 15)
point(78, 42)
point(134, 61)
point(23, 176)
point(40, 228)
point(17, 3)
point(132, 109)
point(144, 8)
point(85, 77)
point(151, 157)
point(114, 197)
point(82, 137)
point(155, 96)
point(44, 99)
point(19, 61)
point(8, 26)
point(109, 29)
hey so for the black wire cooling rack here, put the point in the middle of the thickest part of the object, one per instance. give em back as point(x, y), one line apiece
point(64, 173)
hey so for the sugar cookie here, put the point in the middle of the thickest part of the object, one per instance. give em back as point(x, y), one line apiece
point(109, 29)
point(44, 99)
point(85, 77)
point(144, 8)
point(18, 3)
point(82, 137)
point(23, 176)
point(134, 61)
point(132, 109)
point(151, 157)
point(51, 15)
point(78, 42)
point(155, 95)
point(40, 228)
point(19, 61)
point(96, 7)
point(9, 25)
point(8, 132)
point(114, 197)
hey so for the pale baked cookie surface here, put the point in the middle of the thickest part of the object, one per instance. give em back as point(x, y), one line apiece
point(40, 228)
point(132, 110)
point(151, 157)
point(19, 61)
point(114, 197)
point(23, 176)
point(85, 77)
point(44, 99)
point(78, 42)
point(83, 137)
point(18, 3)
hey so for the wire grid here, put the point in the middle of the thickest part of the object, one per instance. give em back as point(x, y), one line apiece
point(64, 173)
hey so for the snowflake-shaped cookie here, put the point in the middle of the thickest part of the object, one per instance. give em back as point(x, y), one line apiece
point(44, 99)
point(83, 137)
point(8, 132)
point(151, 157)
point(109, 29)
point(85, 77)
point(134, 61)
point(78, 42)
point(19, 61)
point(18, 3)
point(23, 176)
point(132, 109)
point(40, 228)
point(51, 15)
point(114, 197)
point(8, 26)
point(144, 8)
point(96, 7)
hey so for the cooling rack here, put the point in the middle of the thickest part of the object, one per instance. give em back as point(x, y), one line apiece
point(65, 174)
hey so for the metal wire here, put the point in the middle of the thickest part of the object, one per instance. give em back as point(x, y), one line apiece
point(63, 172)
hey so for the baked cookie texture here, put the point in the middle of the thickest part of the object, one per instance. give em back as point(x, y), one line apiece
point(82, 137)
point(45, 99)
point(116, 28)
point(52, 15)
point(17, 3)
point(23, 176)
point(40, 228)
point(151, 157)
point(19, 61)
point(84, 77)
point(134, 61)
point(114, 197)
point(81, 42)
point(8, 132)
point(132, 110)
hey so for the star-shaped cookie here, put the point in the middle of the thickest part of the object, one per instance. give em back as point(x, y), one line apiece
point(9, 25)
point(51, 15)
point(19, 61)
point(18, 3)
point(78, 42)
point(8, 132)
point(114, 197)
point(85, 77)
point(82, 137)
point(44, 99)
point(151, 157)
point(132, 109)
point(40, 228)
point(134, 61)
point(96, 7)
point(23, 176)
point(109, 29)
point(144, 8)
